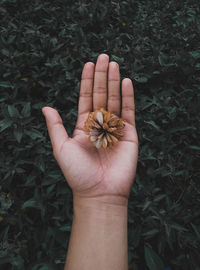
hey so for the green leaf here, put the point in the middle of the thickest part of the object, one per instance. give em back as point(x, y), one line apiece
point(194, 147)
point(197, 66)
point(31, 203)
point(5, 52)
point(151, 232)
point(17, 262)
point(153, 124)
point(50, 188)
point(56, 174)
point(197, 231)
point(68, 75)
point(33, 133)
point(58, 235)
point(146, 205)
point(3, 99)
point(174, 130)
point(42, 266)
point(5, 84)
point(135, 236)
point(26, 109)
point(195, 54)
point(30, 179)
point(117, 59)
point(153, 261)
point(178, 227)
point(49, 181)
point(13, 111)
point(18, 133)
point(41, 164)
point(4, 124)
point(140, 78)
point(159, 197)
point(65, 228)
point(165, 60)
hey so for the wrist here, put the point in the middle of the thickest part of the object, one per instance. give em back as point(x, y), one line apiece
point(101, 207)
point(99, 233)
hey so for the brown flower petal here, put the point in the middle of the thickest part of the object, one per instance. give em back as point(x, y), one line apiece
point(109, 139)
point(93, 138)
point(94, 124)
point(104, 142)
point(98, 143)
point(107, 117)
point(112, 129)
point(94, 132)
point(99, 117)
point(113, 138)
point(101, 136)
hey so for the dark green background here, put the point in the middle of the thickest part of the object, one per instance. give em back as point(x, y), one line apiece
point(43, 48)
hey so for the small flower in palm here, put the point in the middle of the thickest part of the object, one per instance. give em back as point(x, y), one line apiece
point(104, 128)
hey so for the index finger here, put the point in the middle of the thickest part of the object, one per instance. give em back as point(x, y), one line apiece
point(86, 94)
point(85, 97)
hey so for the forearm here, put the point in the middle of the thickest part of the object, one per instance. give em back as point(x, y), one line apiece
point(99, 235)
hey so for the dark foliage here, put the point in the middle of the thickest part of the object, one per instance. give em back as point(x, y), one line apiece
point(43, 47)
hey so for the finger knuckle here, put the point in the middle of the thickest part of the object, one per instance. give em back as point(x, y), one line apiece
point(86, 94)
point(128, 108)
point(100, 89)
point(114, 97)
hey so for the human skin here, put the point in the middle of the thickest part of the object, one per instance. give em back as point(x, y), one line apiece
point(100, 179)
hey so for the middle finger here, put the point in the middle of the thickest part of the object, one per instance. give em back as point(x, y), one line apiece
point(100, 82)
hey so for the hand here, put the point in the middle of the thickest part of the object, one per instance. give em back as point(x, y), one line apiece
point(89, 171)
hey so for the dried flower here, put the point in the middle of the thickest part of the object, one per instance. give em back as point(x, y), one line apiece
point(104, 128)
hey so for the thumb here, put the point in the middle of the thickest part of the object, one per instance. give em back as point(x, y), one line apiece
point(57, 132)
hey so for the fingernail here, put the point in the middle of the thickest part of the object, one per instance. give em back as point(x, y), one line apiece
point(89, 64)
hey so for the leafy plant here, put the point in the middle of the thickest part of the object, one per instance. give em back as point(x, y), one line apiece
point(43, 47)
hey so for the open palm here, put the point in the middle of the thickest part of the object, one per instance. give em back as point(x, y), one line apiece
point(89, 171)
